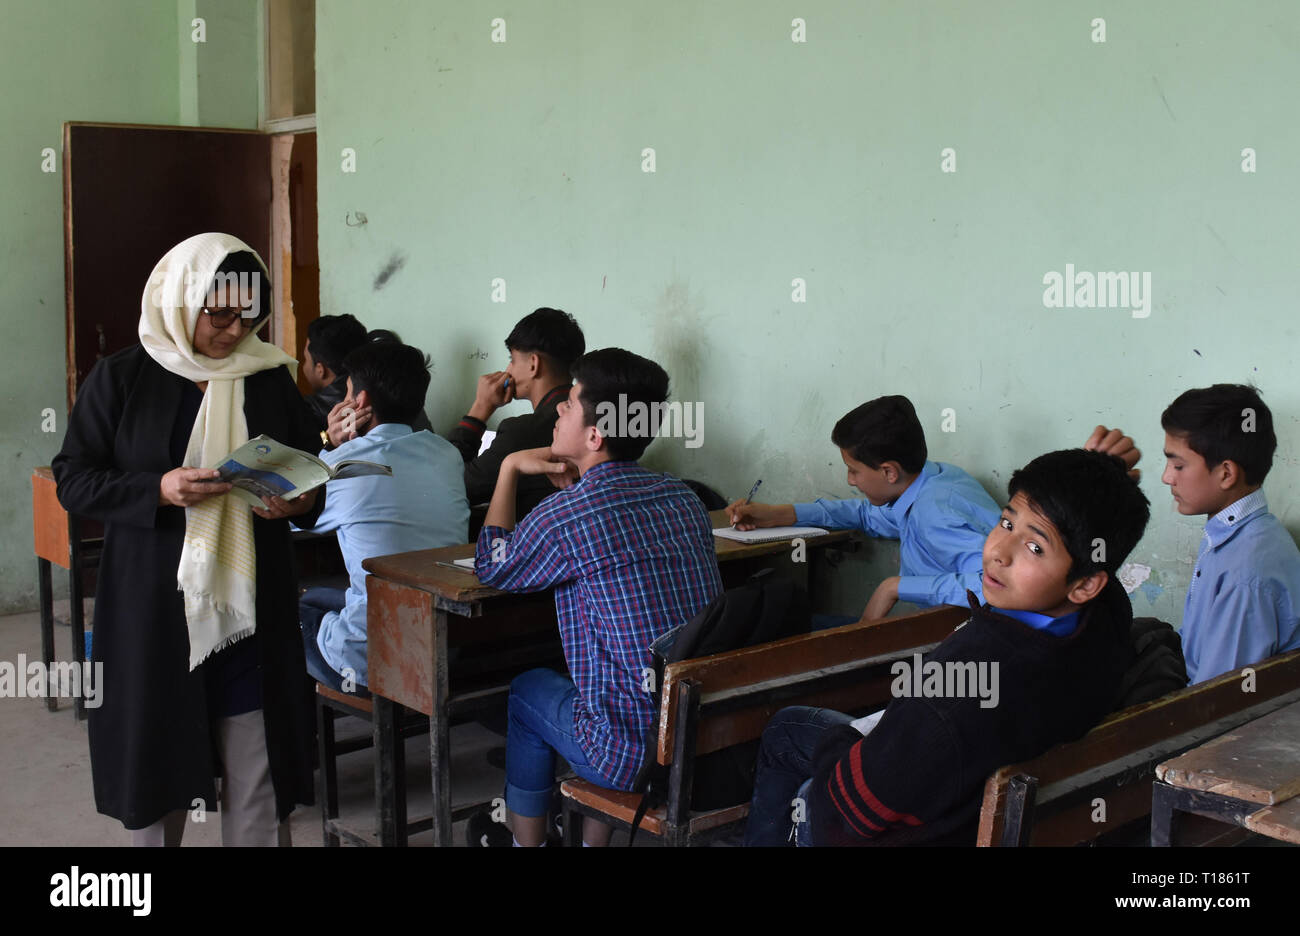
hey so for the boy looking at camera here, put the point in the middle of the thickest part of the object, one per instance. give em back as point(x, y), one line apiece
point(1055, 629)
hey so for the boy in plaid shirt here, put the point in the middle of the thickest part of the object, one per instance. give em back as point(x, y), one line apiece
point(630, 555)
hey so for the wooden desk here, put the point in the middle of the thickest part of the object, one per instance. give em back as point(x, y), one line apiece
point(58, 537)
point(1249, 777)
point(418, 611)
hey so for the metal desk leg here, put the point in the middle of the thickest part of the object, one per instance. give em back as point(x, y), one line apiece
point(1018, 820)
point(390, 773)
point(440, 735)
point(1163, 814)
point(77, 610)
point(45, 588)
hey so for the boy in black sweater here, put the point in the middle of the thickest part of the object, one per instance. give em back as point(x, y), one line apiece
point(543, 347)
point(1039, 664)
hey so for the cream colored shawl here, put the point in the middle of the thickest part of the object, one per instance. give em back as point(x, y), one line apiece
point(217, 572)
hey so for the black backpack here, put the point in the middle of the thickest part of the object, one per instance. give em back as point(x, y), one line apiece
point(760, 611)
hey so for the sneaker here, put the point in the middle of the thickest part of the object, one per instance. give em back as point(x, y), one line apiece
point(482, 832)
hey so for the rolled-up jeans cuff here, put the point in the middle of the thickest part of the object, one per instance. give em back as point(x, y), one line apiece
point(527, 803)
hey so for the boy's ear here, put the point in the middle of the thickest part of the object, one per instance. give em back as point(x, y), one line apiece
point(534, 363)
point(362, 399)
point(1227, 473)
point(892, 471)
point(1087, 588)
point(593, 439)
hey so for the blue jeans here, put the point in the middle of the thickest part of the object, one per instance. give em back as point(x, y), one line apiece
point(541, 726)
point(314, 604)
point(784, 769)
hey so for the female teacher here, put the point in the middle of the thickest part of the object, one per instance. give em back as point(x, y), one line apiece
point(196, 613)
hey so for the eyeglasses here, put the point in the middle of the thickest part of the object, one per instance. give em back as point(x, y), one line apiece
point(221, 318)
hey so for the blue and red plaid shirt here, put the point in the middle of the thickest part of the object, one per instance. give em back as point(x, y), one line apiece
point(630, 554)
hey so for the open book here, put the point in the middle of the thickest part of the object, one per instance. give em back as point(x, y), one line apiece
point(768, 535)
point(265, 466)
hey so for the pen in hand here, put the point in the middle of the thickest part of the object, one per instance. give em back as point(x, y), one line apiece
point(749, 497)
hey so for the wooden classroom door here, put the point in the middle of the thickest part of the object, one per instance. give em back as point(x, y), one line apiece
point(131, 193)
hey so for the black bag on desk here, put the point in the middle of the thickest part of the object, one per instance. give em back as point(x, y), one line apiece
point(760, 611)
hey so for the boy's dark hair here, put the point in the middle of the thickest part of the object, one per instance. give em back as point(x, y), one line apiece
point(242, 261)
point(551, 332)
point(885, 429)
point(606, 375)
point(333, 338)
point(395, 375)
point(383, 334)
point(1214, 422)
point(1088, 496)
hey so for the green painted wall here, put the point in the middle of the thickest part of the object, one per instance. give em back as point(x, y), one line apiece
point(59, 60)
point(821, 160)
point(76, 60)
point(775, 160)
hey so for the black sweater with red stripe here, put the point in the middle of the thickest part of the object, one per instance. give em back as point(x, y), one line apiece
point(918, 778)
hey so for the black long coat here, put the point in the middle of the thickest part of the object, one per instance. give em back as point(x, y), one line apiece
point(150, 748)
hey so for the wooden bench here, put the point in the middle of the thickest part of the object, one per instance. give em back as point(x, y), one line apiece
point(715, 702)
point(1052, 799)
point(1249, 777)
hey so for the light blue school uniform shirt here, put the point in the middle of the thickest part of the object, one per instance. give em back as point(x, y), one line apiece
point(941, 521)
point(1243, 603)
point(422, 506)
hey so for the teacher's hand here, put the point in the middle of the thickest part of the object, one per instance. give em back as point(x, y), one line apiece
point(185, 487)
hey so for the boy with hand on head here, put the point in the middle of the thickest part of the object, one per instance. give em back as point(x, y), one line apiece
point(630, 554)
point(1054, 634)
point(543, 347)
point(422, 506)
point(347, 419)
point(330, 339)
point(938, 512)
point(1243, 603)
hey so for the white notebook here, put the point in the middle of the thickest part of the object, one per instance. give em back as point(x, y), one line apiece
point(769, 535)
point(465, 563)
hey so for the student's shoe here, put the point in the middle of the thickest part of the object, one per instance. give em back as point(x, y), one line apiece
point(482, 832)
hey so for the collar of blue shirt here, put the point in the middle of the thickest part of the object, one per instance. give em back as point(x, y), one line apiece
point(1058, 627)
point(384, 432)
point(1223, 525)
point(905, 500)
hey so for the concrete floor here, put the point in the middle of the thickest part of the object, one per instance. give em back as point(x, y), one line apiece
point(46, 796)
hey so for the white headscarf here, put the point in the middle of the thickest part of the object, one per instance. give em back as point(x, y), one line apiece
point(218, 565)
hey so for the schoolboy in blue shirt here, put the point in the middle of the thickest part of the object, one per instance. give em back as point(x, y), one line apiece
point(422, 506)
point(1243, 603)
point(938, 512)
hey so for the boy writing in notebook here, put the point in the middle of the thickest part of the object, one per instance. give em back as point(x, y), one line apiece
point(630, 555)
point(938, 512)
point(1243, 603)
point(1053, 636)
